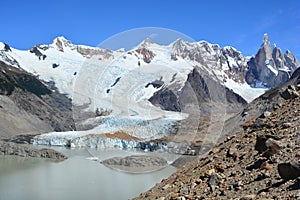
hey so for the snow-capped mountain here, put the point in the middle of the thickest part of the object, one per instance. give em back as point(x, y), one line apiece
point(137, 91)
point(61, 60)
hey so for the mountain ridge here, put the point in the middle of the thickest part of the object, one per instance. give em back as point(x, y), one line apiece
point(173, 77)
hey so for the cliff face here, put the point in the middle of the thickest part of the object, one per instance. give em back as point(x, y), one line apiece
point(270, 67)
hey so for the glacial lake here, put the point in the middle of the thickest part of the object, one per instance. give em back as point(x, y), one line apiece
point(75, 178)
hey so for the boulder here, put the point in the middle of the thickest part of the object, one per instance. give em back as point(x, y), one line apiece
point(289, 94)
point(267, 145)
point(289, 171)
point(214, 180)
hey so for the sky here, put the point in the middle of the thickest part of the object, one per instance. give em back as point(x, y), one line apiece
point(237, 23)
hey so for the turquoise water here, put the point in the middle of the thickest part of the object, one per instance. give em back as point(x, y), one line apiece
point(74, 178)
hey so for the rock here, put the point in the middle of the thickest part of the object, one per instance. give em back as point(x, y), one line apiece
point(214, 180)
point(174, 195)
point(260, 144)
point(209, 172)
point(266, 174)
point(215, 150)
point(266, 114)
point(248, 197)
point(265, 165)
point(237, 184)
point(289, 171)
point(286, 125)
point(184, 190)
point(9, 148)
point(258, 123)
point(166, 187)
point(292, 87)
point(289, 94)
point(233, 152)
point(267, 146)
point(193, 185)
point(273, 147)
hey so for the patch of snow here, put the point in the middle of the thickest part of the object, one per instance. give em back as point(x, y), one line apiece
point(244, 90)
point(284, 69)
point(275, 71)
point(2, 45)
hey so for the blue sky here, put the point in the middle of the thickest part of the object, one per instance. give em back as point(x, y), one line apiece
point(226, 22)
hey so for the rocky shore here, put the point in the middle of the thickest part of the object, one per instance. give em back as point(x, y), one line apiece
point(10, 148)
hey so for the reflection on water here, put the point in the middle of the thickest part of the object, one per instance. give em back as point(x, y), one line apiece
point(74, 178)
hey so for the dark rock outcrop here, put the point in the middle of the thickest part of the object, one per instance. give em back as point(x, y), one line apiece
point(289, 93)
point(37, 52)
point(6, 47)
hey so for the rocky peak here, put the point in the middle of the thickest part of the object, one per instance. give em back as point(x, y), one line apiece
point(291, 60)
point(179, 44)
point(146, 43)
point(61, 42)
point(266, 48)
point(88, 52)
point(278, 57)
point(144, 50)
point(232, 52)
point(179, 48)
point(270, 67)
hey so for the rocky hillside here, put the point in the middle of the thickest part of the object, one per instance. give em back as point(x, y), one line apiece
point(259, 162)
point(28, 106)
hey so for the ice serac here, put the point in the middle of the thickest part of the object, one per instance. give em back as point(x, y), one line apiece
point(270, 67)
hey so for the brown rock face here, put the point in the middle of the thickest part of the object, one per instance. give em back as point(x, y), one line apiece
point(147, 54)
